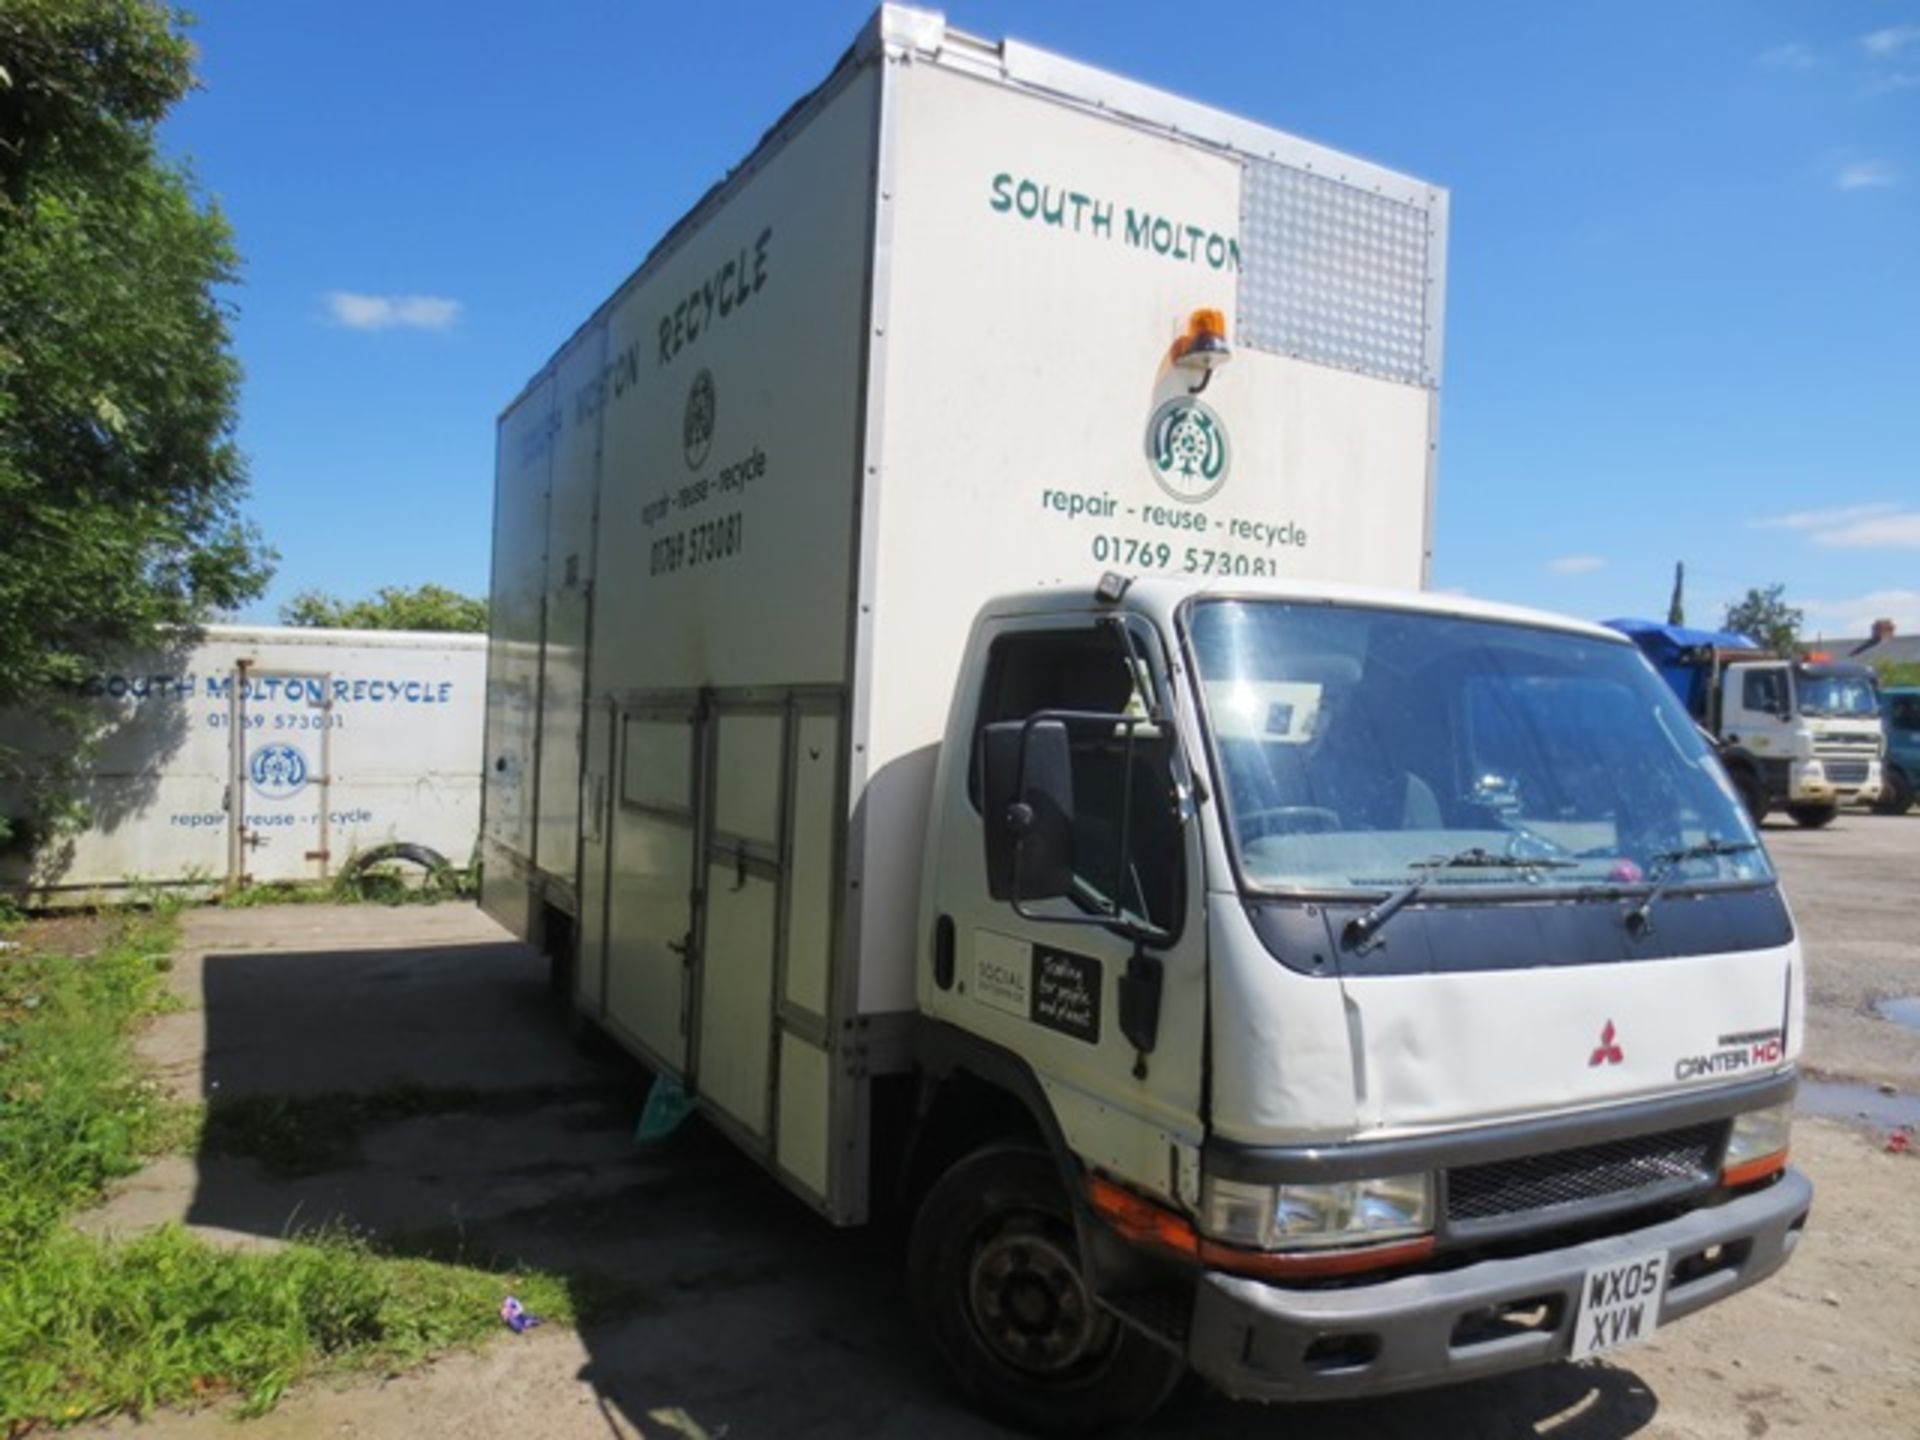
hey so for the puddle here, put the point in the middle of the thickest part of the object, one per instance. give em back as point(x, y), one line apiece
point(1902, 1010)
point(1858, 1102)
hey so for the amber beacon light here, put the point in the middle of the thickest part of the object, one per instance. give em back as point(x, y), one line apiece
point(1204, 347)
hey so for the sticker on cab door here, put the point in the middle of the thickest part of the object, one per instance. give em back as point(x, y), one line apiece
point(1054, 989)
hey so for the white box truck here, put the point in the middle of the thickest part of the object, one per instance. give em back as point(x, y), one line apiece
point(265, 753)
point(962, 703)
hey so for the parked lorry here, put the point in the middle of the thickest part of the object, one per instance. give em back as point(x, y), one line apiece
point(257, 753)
point(1900, 715)
point(966, 711)
point(1799, 734)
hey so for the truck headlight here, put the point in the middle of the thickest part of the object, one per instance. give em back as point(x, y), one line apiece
point(1758, 1145)
point(1341, 1212)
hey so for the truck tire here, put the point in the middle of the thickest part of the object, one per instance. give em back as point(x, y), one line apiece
point(1812, 817)
point(1896, 793)
point(1753, 793)
point(994, 1269)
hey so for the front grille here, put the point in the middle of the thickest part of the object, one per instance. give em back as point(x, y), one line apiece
point(1846, 772)
point(1610, 1170)
point(1843, 744)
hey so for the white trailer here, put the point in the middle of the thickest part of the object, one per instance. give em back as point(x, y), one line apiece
point(917, 697)
point(255, 753)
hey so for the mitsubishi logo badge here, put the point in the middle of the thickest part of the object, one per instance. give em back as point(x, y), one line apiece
point(1608, 1052)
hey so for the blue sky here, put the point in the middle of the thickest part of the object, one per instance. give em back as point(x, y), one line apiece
point(1684, 290)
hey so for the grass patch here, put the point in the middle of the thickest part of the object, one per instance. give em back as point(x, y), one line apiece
point(388, 883)
point(293, 1135)
point(166, 1319)
point(95, 1327)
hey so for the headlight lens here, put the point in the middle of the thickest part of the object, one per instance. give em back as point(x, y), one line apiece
point(1343, 1212)
point(1758, 1135)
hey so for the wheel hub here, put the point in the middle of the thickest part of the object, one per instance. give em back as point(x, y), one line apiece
point(1030, 1304)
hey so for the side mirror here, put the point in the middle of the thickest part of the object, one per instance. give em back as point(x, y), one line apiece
point(1027, 797)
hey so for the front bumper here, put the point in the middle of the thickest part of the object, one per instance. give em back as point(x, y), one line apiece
point(1807, 785)
point(1261, 1342)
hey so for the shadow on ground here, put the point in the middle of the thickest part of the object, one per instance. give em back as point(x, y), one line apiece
point(714, 1302)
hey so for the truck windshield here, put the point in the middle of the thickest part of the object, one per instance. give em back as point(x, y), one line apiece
point(1356, 747)
point(1836, 693)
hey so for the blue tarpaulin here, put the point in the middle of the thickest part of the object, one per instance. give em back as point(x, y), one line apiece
point(1680, 654)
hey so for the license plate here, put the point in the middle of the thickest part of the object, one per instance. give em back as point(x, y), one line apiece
point(1619, 1304)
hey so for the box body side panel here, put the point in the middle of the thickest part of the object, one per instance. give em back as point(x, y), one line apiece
point(572, 505)
point(516, 619)
point(1044, 260)
point(355, 742)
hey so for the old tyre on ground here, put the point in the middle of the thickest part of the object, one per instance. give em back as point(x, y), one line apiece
point(1813, 816)
point(1896, 793)
point(995, 1273)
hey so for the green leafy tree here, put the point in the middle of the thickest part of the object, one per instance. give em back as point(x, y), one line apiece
point(393, 607)
point(1766, 619)
point(120, 484)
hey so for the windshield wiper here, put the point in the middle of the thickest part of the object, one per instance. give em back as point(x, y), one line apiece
point(1362, 929)
point(1640, 918)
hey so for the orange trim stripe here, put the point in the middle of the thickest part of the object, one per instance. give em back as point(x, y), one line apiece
point(1748, 1171)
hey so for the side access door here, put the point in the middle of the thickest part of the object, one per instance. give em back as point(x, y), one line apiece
point(280, 772)
point(711, 953)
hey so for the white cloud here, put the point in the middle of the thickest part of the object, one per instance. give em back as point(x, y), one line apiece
point(1576, 564)
point(1824, 519)
point(1854, 616)
point(1892, 40)
point(392, 312)
point(1865, 175)
point(1791, 56)
point(1880, 526)
point(1898, 531)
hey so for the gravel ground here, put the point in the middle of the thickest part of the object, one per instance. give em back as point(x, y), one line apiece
point(753, 1319)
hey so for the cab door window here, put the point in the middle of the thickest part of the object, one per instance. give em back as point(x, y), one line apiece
point(1127, 850)
point(1764, 691)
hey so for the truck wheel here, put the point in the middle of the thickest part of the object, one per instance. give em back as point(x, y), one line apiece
point(994, 1268)
point(1896, 793)
point(1753, 794)
point(1813, 816)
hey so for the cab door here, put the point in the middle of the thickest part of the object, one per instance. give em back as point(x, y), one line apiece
point(1113, 1029)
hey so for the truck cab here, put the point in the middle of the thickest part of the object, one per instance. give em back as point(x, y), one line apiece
point(1810, 730)
point(1386, 989)
point(1900, 717)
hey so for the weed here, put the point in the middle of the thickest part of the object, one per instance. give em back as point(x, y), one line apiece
point(96, 1327)
point(386, 883)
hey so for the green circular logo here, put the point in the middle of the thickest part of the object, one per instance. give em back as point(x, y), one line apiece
point(1187, 447)
point(696, 430)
